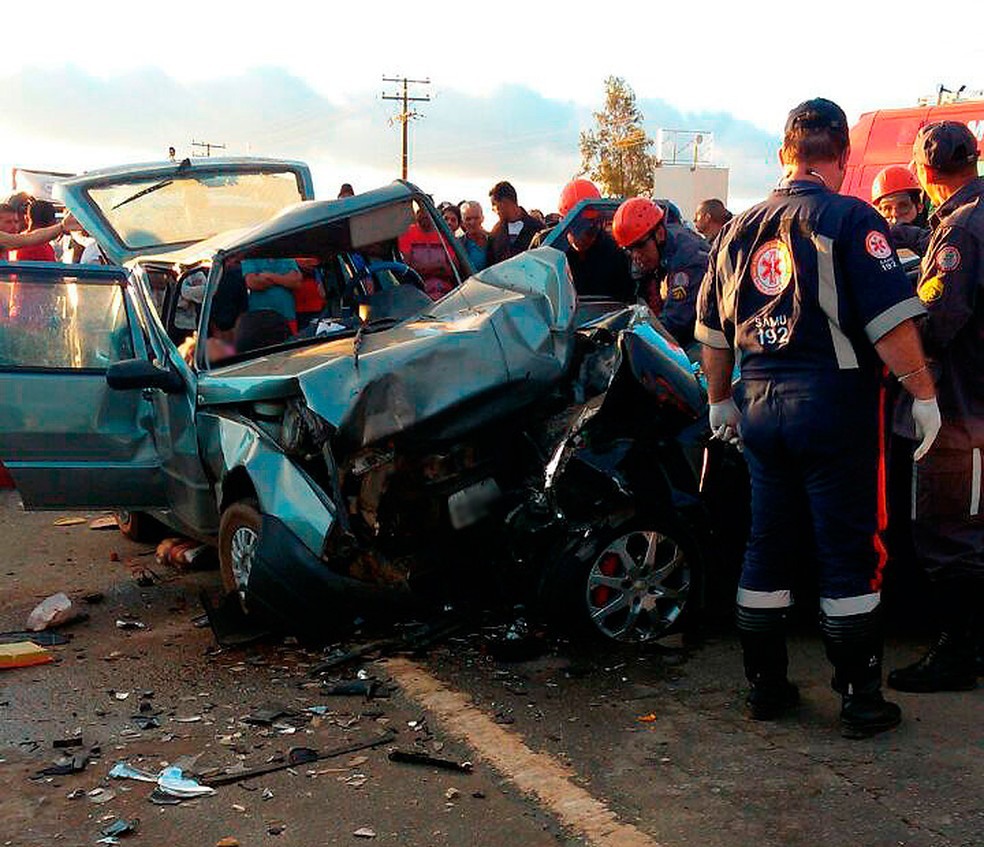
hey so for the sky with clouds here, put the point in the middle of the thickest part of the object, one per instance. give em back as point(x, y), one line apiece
point(510, 92)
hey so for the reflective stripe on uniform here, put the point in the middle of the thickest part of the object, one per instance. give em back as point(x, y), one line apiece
point(842, 607)
point(975, 484)
point(827, 295)
point(765, 599)
point(711, 337)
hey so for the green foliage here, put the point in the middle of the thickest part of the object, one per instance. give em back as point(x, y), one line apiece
point(616, 153)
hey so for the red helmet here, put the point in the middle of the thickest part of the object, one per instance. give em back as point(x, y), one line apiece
point(574, 192)
point(634, 218)
point(891, 180)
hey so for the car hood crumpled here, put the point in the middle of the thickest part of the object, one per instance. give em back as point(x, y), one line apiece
point(499, 340)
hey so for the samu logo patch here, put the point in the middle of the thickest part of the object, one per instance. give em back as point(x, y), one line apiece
point(877, 245)
point(772, 268)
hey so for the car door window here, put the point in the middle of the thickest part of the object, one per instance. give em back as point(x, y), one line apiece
point(62, 324)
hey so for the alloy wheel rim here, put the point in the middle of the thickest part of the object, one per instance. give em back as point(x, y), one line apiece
point(638, 586)
point(242, 549)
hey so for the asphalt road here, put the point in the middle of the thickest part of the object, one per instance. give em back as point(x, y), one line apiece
point(575, 746)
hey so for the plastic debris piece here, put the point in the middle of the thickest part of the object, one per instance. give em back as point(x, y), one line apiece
point(452, 794)
point(66, 766)
point(228, 841)
point(124, 770)
point(173, 781)
point(121, 695)
point(650, 718)
point(276, 827)
point(104, 522)
point(356, 761)
point(187, 718)
point(159, 798)
point(145, 722)
point(364, 832)
point(101, 795)
point(74, 521)
point(75, 794)
point(53, 611)
point(130, 623)
point(267, 794)
point(121, 827)
point(45, 638)
point(367, 688)
point(65, 743)
point(410, 757)
point(266, 716)
point(23, 654)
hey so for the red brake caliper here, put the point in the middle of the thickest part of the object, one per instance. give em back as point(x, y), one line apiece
point(609, 566)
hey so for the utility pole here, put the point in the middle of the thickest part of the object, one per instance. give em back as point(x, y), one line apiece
point(406, 115)
point(208, 146)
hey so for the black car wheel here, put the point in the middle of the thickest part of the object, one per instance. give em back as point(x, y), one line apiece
point(139, 526)
point(632, 583)
point(239, 535)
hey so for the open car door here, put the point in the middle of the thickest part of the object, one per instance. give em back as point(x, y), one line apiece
point(67, 438)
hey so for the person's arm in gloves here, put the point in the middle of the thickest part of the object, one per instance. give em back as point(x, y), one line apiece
point(901, 349)
point(719, 364)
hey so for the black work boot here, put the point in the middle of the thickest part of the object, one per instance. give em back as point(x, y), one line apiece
point(854, 647)
point(763, 643)
point(949, 665)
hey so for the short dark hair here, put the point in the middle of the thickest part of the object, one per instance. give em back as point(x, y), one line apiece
point(41, 213)
point(503, 191)
point(716, 209)
point(816, 131)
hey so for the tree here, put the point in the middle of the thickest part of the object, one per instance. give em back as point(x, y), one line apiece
point(616, 153)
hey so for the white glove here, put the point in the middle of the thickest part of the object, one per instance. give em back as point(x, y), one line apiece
point(926, 416)
point(724, 418)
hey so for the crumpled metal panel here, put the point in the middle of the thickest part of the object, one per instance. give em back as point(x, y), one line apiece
point(281, 487)
point(489, 347)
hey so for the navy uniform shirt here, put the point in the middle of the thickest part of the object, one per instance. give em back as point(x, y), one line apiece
point(951, 285)
point(805, 281)
point(682, 265)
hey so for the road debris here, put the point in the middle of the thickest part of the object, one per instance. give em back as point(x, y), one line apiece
point(300, 756)
point(101, 795)
point(56, 610)
point(104, 522)
point(411, 757)
point(45, 638)
point(68, 521)
point(23, 654)
point(124, 770)
point(119, 828)
point(364, 832)
point(67, 742)
point(64, 766)
point(173, 781)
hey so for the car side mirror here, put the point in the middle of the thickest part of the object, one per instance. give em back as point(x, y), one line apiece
point(139, 373)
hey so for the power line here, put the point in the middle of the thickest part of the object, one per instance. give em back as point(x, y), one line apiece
point(208, 146)
point(405, 115)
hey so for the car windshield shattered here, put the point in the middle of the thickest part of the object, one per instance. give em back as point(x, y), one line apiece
point(186, 208)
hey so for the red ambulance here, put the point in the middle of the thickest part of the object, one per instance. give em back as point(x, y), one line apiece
point(885, 138)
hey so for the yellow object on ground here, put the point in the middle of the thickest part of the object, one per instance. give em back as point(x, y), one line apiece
point(23, 654)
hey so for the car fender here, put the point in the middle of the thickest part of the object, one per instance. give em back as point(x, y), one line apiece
point(234, 446)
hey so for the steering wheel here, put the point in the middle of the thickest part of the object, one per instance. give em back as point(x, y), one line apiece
point(402, 270)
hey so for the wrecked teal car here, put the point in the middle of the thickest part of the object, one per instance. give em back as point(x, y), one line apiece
point(355, 457)
point(278, 454)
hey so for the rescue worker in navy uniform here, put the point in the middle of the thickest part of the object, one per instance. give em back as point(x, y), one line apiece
point(806, 287)
point(948, 520)
point(671, 261)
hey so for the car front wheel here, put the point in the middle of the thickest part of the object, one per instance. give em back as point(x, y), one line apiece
point(633, 583)
point(239, 536)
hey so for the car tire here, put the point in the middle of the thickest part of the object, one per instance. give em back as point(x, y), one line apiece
point(635, 582)
point(139, 526)
point(239, 533)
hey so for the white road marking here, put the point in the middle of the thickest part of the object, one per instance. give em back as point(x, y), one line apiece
point(537, 774)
